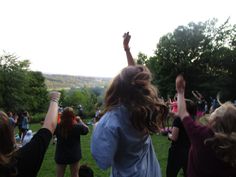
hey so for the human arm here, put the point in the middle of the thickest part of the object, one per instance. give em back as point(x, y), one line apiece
point(174, 134)
point(195, 131)
point(50, 121)
point(180, 88)
point(84, 129)
point(196, 95)
point(104, 142)
point(126, 39)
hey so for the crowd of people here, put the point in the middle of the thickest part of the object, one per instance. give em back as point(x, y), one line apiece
point(132, 111)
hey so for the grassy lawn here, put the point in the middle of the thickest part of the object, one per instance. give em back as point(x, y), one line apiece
point(160, 142)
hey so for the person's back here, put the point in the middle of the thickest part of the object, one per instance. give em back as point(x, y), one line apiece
point(134, 153)
point(132, 111)
point(26, 161)
point(69, 150)
point(203, 159)
point(212, 152)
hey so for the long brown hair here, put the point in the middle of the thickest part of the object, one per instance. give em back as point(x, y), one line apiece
point(7, 147)
point(223, 124)
point(67, 121)
point(133, 88)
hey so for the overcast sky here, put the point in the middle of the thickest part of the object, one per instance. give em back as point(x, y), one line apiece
point(84, 37)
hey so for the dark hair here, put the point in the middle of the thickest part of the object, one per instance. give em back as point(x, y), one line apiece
point(7, 148)
point(85, 171)
point(133, 88)
point(67, 121)
point(191, 108)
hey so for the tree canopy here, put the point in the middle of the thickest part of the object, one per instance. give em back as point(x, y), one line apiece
point(20, 88)
point(204, 52)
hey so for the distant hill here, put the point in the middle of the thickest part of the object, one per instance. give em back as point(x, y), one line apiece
point(56, 81)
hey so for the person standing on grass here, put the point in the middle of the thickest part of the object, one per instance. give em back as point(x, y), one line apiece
point(180, 144)
point(26, 161)
point(24, 124)
point(68, 148)
point(213, 147)
point(121, 139)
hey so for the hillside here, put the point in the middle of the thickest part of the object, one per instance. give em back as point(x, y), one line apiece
point(56, 81)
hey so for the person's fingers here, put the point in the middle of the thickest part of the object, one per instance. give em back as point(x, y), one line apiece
point(124, 35)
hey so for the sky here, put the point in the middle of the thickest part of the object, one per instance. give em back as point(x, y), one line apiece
point(84, 37)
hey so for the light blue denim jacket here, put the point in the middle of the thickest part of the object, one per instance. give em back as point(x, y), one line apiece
point(117, 144)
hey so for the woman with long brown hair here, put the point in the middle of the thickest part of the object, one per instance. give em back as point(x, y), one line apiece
point(68, 149)
point(133, 110)
point(26, 161)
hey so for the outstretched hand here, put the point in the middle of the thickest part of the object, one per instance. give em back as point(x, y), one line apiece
point(180, 87)
point(180, 84)
point(126, 40)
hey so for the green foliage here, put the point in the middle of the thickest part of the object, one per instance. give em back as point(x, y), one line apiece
point(38, 117)
point(21, 89)
point(48, 168)
point(204, 52)
point(55, 81)
point(89, 98)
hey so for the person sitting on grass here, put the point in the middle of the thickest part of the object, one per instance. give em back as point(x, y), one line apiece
point(213, 147)
point(26, 161)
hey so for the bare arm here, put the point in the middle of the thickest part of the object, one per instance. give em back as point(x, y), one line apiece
point(50, 121)
point(175, 134)
point(180, 88)
point(129, 56)
point(82, 123)
point(196, 95)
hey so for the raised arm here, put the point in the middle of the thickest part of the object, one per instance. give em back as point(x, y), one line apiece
point(50, 121)
point(180, 88)
point(195, 94)
point(126, 39)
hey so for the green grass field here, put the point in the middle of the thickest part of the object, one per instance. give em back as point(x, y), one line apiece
point(160, 143)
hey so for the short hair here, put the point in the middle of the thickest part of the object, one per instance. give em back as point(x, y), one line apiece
point(85, 171)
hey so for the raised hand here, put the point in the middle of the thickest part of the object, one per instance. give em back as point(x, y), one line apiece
point(126, 39)
point(180, 88)
point(50, 121)
point(180, 84)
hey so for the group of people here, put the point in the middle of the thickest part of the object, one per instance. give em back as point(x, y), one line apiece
point(22, 121)
point(121, 138)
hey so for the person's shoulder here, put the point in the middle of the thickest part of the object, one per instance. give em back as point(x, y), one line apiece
point(177, 121)
point(115, 117)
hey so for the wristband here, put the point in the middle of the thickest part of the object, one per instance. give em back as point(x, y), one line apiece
point(54, 100)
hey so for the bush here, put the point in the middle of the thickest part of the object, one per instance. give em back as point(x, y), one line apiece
point(38, 117)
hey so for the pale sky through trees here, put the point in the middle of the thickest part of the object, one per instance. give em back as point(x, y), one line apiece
point(78, 37)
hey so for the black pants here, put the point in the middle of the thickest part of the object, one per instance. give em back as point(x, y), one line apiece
point(177, 159)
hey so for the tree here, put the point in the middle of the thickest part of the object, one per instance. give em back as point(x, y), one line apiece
point(21, 89)
point(204, 52)
point(83, 96)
